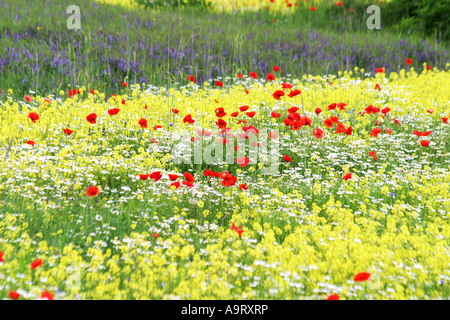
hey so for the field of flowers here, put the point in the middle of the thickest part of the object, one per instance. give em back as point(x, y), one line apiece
point(93, 206)
point(114, 183)
point(123, 43)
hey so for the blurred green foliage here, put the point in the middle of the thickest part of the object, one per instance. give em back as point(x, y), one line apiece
point(430, 17)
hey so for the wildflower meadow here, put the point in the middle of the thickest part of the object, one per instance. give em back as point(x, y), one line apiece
point(239, 150)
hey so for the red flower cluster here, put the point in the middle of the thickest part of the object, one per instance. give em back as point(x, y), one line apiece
point(237, 229)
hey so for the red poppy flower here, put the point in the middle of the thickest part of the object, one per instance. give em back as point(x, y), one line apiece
point(220, 112)
point(332, 106)
point(240, 232)
point(143, 176)
point(273, 135)
point(428, 68)
point(47, 295)
point(92, 91)
point(33, 116)
point(348, 176)
point(67, 131)
point(444, 120)
point(318, 111)
point(176, 111)
point(36, 263)
point(430, 111)
point(1, 256)
point(362, 276)
point(227, 179)
point(275, 115)
point(219, 84)
point(243, 161)
point(28, 98)
point(276, 68)
point(409, 61)
point(191, 78)
point(251, 129)
point(243, 187)
point(286, 85)
point(293, 109)
point(318, 133)
point(189, 177)
point(239, 75)
point(341, 106)
point(373, 154)
point(234, 228)
point(92, 191)
point(312, 9)
point(388, 131)
point(278, 94)
point(175, 184)
point(349, 131)
point(420, 134)
point(375, 132)
point(143, 123)
point(377, 87)
point(340, 128)
point(156, 176)
point(385, 110)
point(294, 93)
point(339, 4)
point(31, 142)
point(253, 75)
point(173, 177)
point(333, 297)
point(13, 295)
point(287, 158)
point(251, 114)
point(155, 235)
point(74, 92)
point(222, 124)
point(244, 108)
point(270, 77)
point(113, 112)
point(425, 143)
point(188, 119)
point(371, 109)
point(379, 70)
point(92, 118)
point(328, 123)
point(234, 114)
point(207, 173)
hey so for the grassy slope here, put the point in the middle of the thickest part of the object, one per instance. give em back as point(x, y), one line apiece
point(162, 48)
